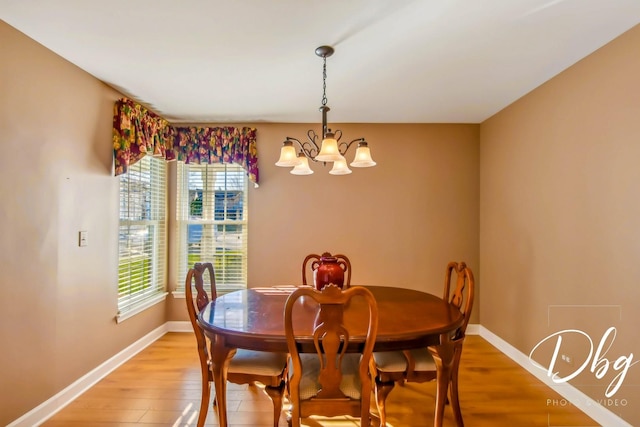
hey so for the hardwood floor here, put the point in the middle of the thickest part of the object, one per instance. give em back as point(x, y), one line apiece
point(161, 387)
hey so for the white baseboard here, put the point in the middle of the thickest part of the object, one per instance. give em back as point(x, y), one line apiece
point(47, 409)
point(179, 326)
point(473, 329)
point(572, 395)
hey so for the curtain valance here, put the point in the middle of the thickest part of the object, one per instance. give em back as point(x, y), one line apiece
point(218, 145)
point(138, 132)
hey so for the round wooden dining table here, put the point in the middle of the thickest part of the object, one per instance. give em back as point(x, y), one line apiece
point(254, 319)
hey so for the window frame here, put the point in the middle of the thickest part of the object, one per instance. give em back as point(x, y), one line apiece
point(184, 218)
point(146, 217)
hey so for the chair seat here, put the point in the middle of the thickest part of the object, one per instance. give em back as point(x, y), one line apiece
point(350, 384)
point(257, 362)
point(395, 361)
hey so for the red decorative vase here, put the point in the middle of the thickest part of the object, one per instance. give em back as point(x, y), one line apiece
point(328, 270)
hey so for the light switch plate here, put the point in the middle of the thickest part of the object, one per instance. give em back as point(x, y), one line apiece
point(83, 238)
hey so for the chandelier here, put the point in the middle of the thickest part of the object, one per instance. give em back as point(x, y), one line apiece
point(331, 149)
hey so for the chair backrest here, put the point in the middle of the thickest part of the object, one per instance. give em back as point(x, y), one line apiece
point(307, 270)
point(462, 295)
point(195, 305)
point(334, 373)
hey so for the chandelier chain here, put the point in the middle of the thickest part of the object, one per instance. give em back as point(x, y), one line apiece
point(324, 81)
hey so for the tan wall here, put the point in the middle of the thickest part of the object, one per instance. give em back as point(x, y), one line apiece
point(400, 222)
point(57, 301)
point(560, 216)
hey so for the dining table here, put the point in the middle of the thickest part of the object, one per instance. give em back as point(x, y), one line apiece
point(253, 319)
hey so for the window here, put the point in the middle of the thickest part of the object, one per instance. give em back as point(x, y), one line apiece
point(212, 222)
point(142, 236)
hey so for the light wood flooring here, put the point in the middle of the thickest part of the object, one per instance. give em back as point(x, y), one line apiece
point(161, 387)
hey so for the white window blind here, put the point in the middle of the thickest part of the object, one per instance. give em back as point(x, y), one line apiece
point(212, 222)
point(142, 234)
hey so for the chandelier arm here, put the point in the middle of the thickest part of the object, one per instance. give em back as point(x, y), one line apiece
point(309, 148)
point(289, 138)
point(313, 138)
point(344, 147)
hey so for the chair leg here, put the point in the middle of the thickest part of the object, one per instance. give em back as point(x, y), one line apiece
point(365, 421)
point(276, 393)
point(453, 388)
point(365, 411)
point(382, 390)
point(293, 421)
point(204, 402)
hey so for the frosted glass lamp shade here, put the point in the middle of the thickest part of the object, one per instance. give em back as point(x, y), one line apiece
point(363, 156)
point(329, 151)
point(340, 167)
point(302, 168)
point(288, 157)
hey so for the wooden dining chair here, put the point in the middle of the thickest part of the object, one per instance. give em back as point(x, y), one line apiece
point(418, 365)
point(307, 270)
point(323, 378)
point(246, 366)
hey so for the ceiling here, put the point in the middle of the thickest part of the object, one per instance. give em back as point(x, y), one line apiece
point(400, 61)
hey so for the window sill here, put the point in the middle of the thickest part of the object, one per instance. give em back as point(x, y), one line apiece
point(120, 317)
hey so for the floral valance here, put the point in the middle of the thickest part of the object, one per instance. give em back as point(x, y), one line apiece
point(218, 145)
point(138, 132)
